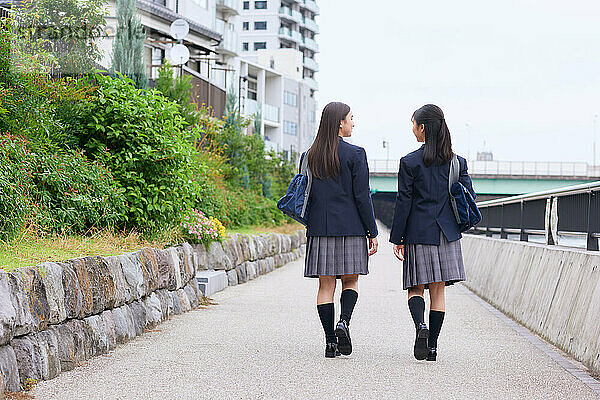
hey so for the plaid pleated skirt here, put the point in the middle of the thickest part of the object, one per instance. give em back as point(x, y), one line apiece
point(424, 264)
point(336, 256)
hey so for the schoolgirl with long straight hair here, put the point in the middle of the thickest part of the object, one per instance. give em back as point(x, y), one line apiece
point(424, 231)
point(341, 229)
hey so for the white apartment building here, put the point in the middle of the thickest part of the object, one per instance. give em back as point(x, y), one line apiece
point(275, 24)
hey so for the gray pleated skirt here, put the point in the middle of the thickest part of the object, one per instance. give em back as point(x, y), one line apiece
point(336, 255)
point(424, 264)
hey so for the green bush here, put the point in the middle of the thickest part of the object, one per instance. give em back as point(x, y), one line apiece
point(15, 184)
point(138, 135)
point(72, 194)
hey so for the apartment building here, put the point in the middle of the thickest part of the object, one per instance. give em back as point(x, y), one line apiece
point(285, 105)
point(281, 24)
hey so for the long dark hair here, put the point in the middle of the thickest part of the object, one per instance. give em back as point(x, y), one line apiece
point(323, 158)
point(438, 145)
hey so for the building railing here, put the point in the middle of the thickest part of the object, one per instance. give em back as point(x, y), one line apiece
point(288, 13)
point(311, 83)
point(509, 168)
point(232, 6)
point(310, 43)
point(310, 24)
point(568, 216)
point(311, 5)
point(229, 41)
point(310, 63)
point(271, 113)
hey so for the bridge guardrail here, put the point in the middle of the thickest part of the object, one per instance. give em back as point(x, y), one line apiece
point(507, 168)
point(572, 211)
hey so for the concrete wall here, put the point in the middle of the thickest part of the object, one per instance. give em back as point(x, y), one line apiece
point(553, 291)
point(55, 316)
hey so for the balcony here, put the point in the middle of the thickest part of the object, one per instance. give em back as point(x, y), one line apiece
point(311, 83)
point(251, 107)
point(290, 15)
point(311, 5)
point(311, 64)
point(311, 25)
point(310, 44)
point(230, 7)
point(270, 113)
point(229, 42)
point(288, 34)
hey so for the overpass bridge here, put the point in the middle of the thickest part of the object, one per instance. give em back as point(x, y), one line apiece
point(494, 179)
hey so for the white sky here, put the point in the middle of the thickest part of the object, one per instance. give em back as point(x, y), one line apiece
point(525, 75)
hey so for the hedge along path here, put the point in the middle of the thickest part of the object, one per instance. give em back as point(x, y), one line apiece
point(55, 316)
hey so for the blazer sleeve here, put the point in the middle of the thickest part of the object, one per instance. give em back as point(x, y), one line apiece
point(465, 179)
point(403, 203)
point(362, 193)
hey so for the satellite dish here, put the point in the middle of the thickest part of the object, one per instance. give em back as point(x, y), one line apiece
point(179, 29)
point(179, 54)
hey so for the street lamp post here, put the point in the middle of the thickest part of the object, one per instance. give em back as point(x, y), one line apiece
point(244, 78)
point(386, 145)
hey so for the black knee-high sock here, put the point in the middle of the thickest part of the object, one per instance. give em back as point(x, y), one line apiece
point(416, 305)
point(436, 319)
point(327, 315)
point(348, 301)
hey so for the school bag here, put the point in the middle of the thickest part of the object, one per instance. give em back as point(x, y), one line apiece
point(295, 202)
point(465, 210)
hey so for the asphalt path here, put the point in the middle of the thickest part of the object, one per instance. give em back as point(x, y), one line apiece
point(264, 341)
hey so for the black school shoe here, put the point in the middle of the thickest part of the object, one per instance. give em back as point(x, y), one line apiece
point(331, 350)
point(422, 335)
point(342, 332)
point(432, 354)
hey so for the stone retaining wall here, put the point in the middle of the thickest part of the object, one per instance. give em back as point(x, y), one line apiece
point(55, 316)
point(553, 291)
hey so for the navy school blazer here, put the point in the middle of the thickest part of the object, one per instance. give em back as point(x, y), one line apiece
point(423, 202)
point(343, 206)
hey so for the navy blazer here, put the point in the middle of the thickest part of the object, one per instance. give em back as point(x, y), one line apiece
point(343, 206)
point(423, 202)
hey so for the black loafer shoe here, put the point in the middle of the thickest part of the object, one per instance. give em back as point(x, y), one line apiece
point(331, 350)
point(432, 354)
point(422, 335)
point(343, 336)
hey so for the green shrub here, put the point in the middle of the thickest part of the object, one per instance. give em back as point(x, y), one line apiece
point(138, 135)
point(15, 184)
point(73, 195)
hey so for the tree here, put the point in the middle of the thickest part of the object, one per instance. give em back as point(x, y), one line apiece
point(178, 90)
point(128, 47)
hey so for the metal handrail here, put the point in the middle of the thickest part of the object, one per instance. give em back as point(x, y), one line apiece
point(572, 211)
point(565, 191)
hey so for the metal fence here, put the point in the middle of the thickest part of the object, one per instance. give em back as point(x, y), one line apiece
point(559, 217)
point(508, 168)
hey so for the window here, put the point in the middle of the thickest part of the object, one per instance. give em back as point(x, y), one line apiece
point(252, 90)
point(245, 25)
point(291, 128)
point(260, 5)
point(245, 46)
point(289, 98)
point(260, 45)
point(246, 5)
point(312, 116)
point(260, 26)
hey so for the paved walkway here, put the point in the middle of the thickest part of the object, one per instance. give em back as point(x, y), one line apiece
point(264, 341)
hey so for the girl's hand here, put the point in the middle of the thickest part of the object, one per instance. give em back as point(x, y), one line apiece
point(399, 251)
point(373, 246)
